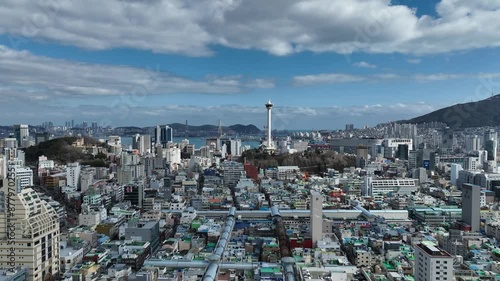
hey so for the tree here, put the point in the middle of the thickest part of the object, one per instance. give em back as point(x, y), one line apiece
point(101, 155)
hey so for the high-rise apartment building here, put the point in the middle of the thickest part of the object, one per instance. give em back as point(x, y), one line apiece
point(142, 143)
point(130, 173)
point(403, 151)
point(491, 134)
point(471, 204)
point(361, 156)
point(157, 135)
point(24, 175)
point(491, 144)
point(490, 147)
point(134, 194)
point(316, 216)
point(472, 163)
point(3, 167)
point(230, 146)
point(8, 143)
point(163, 135)
point(73, 174)
point(448, 139)
point(455, 170)
point(22, 135)
point(29, 232)
point(169, 134)
point(412, 159)
point(432, 263)
point(42, 137)
point(233, 172)
point(472, 143)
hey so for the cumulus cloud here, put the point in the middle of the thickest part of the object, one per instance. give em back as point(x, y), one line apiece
point(364, 64)
point(41, 78)
point(332, 78)
point(337, 78)
point(438, 77)
point(261, 83)
point(279, 27)
point(385, 76)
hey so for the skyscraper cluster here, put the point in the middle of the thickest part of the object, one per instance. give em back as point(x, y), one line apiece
point(163, 135)
point(22, 135)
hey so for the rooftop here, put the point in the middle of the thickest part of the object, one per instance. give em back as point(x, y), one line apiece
point(432, 250)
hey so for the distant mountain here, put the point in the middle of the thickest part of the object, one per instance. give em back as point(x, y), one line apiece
point(245, 129)
point(233, 129)
point(180, 130)
point(472, 114)
point(130, 130)
point(203, 128)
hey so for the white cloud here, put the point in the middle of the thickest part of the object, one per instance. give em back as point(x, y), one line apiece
point(261, 83)
point(364, 64)
point(338, 78)
point(279, 27)
point(414, 61)
point(438, 77)
point(332, 78)
point(385, 76)
point(40, 78)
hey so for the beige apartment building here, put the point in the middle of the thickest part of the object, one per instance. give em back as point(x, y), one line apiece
point(29, 232)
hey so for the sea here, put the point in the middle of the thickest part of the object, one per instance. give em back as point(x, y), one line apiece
point(197, 141)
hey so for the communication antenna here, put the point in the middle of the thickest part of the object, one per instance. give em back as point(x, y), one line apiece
point(220, 128)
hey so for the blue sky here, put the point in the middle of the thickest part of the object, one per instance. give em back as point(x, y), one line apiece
point(323, 63)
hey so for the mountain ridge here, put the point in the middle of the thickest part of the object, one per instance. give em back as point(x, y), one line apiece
point(480, 113)
point(201, 129)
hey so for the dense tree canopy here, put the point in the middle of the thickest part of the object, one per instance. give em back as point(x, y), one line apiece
point(313, 161)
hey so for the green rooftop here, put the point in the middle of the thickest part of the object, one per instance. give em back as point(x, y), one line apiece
point(270, 270)
point(388, 266)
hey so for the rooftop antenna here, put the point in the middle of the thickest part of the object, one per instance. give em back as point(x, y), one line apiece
point(220, 128)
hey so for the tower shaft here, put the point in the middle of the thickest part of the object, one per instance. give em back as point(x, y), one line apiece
point(269, 107)
point(269, 129)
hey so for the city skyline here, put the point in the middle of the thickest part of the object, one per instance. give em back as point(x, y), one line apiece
point(322, 63)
